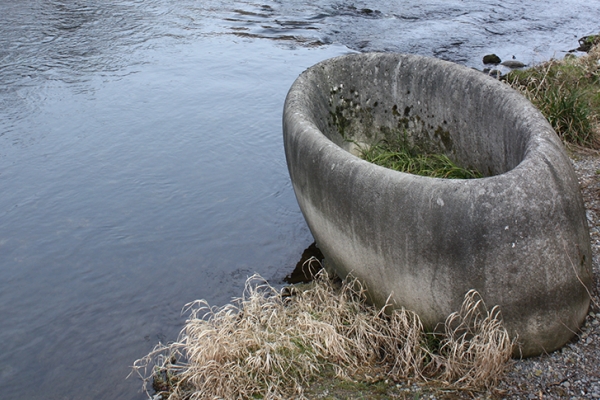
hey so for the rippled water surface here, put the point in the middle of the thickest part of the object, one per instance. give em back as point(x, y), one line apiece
point(141, 160)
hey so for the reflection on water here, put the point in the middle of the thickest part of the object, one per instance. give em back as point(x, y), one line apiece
point(69, 40)
point(135, 198)
point(142, 166)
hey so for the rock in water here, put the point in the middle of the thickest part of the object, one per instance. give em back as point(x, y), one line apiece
point(491, 59)
point(513, 64)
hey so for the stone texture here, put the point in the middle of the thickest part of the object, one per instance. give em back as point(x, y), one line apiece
point(518, 236)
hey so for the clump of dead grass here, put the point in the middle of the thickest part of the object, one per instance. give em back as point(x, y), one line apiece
point(475, 348)
point(272, 343)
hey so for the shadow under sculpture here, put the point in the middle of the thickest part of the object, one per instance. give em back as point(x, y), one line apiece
point(519, 235)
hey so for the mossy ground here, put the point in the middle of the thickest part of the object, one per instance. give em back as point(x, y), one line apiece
point(329, 387)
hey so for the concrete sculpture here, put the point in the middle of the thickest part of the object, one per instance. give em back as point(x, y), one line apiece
point(518, 235)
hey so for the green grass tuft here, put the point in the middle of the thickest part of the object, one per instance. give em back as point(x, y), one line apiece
point(399, 155)
point(567, 92)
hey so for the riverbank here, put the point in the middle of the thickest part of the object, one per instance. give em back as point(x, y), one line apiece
point(570, 372)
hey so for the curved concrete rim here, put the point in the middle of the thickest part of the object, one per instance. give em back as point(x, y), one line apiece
point(518, 236)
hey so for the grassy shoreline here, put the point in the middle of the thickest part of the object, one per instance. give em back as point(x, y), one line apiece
point(323, 336)
point(567, 92)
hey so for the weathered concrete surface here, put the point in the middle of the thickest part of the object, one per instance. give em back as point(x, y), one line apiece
point(519, 236)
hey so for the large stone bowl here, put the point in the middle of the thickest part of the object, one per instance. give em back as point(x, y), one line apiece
point(518, 235)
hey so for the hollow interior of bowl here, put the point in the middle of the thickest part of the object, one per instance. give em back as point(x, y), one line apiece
point(437, 106)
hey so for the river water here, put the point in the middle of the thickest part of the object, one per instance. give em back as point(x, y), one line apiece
point(142, 166)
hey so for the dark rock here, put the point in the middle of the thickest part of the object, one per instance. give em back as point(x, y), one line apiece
point(495, 74)
point(308, 266)
point(491, 59)
point(513, 64)
point(587, 42)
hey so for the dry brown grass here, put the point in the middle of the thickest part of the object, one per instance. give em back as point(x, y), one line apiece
point(475, 348)
point(272, 343)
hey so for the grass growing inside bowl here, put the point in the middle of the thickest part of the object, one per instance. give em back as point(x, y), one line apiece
point(399, 155)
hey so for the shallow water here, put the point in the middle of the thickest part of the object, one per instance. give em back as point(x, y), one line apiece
point(142, 166)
